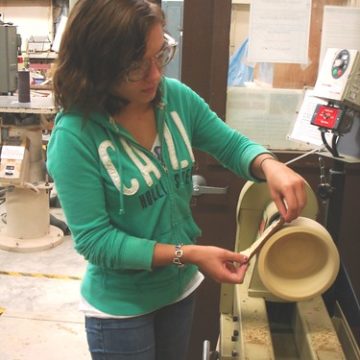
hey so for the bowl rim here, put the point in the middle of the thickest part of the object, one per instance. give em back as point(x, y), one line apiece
point(332, 265)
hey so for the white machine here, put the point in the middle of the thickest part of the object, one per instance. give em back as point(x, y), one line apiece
point(339, 77)
point(293, 268)
point(338, 86)
point(279, 312)
point(23, 177)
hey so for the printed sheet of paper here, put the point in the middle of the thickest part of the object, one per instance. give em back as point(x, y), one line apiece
point(279, 31)
point(12, 152)
point(303, 130)
point(341, 29)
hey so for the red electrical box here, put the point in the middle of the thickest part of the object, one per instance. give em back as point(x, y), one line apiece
point(328, 117)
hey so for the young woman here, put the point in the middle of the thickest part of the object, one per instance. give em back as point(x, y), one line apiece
point(121, 158)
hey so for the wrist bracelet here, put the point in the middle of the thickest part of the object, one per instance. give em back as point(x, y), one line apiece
point(263, 160)
point(177, 255)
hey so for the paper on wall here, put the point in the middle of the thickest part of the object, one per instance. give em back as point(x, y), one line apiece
point(279, 31)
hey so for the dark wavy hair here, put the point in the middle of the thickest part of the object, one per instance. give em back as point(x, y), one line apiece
point(101, 40)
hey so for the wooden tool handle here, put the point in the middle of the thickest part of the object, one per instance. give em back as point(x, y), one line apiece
point(256, 245)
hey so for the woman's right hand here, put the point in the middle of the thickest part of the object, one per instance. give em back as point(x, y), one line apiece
point(223, 266)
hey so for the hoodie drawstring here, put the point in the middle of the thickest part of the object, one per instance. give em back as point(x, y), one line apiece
point(118, 161)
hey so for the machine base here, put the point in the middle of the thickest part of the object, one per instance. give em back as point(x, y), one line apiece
point(252, 328)
point(54, 237)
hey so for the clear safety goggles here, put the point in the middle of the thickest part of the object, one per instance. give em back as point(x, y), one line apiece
point(139, 70)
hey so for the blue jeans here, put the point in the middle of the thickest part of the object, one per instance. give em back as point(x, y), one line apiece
point(161, 335)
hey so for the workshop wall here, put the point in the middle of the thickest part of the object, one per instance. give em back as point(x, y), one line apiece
point(25, 13)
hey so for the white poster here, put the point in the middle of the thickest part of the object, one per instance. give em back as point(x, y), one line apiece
point(279, 31)
point(341, 29)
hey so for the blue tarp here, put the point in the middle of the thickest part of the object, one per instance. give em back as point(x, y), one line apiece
point(239, 72)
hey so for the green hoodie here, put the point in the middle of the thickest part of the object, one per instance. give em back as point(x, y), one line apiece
point(119, 199)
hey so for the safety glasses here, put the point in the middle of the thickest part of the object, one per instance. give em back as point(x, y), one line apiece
point(139, 70)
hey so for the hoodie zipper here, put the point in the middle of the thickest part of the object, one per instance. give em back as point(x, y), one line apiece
point(161, 164)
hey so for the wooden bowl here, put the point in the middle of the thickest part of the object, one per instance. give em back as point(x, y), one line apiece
point(299, 261)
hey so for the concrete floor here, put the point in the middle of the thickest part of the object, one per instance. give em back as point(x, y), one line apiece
point(39, 296)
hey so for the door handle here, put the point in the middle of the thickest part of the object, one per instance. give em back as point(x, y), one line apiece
point(200, 187)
